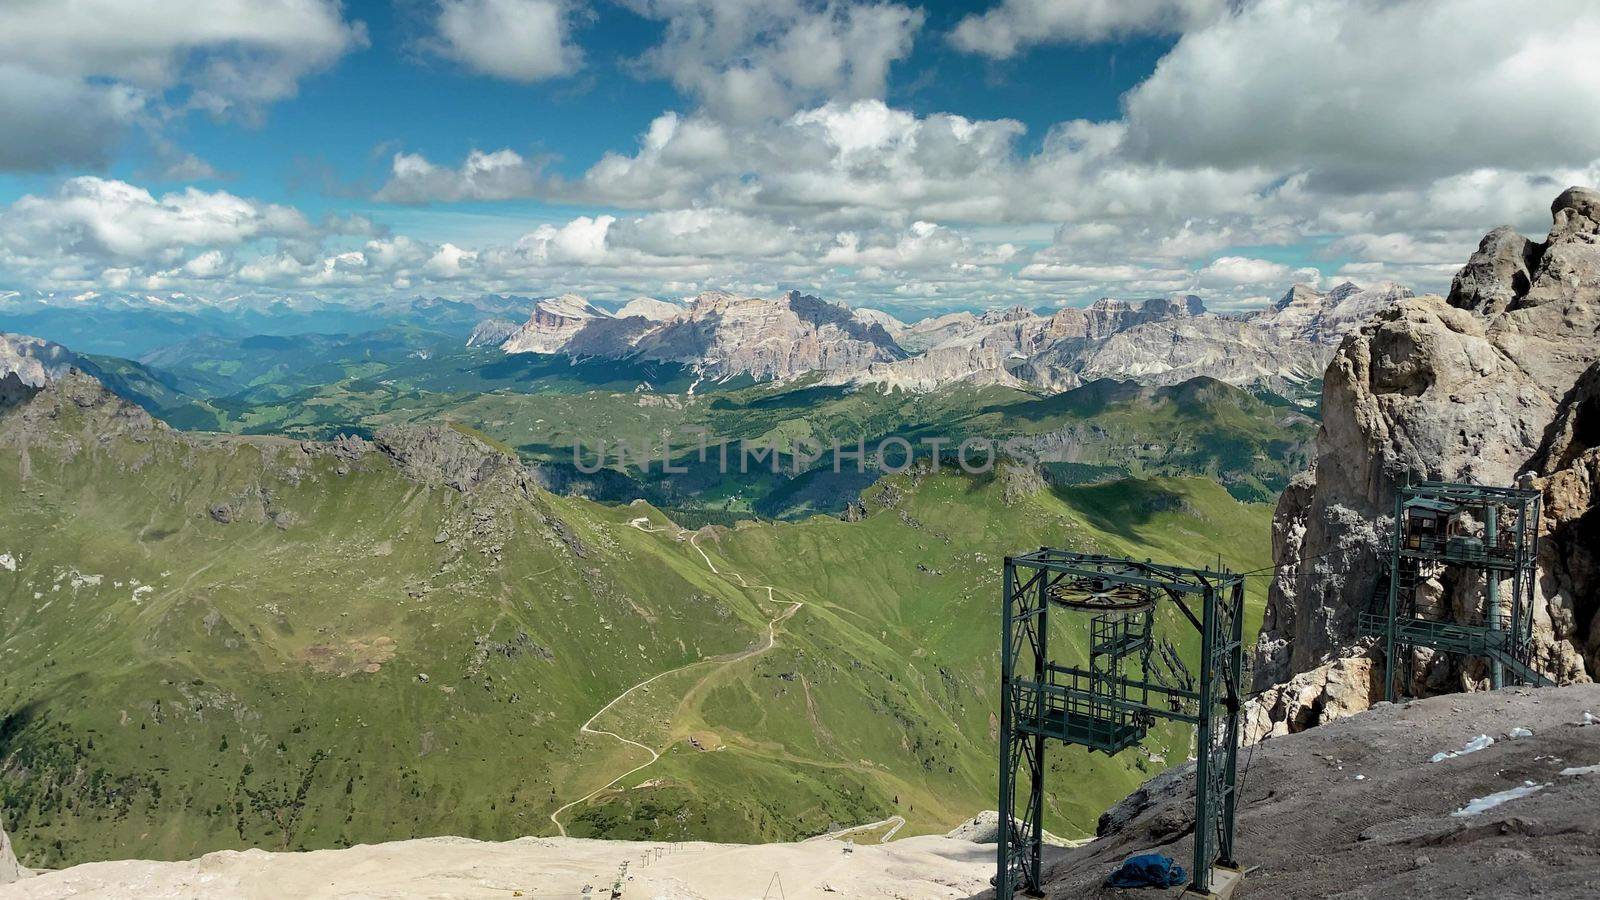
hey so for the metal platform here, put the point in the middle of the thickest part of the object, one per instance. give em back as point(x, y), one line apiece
point(1109, 733)
point(1109, 702)
point(1443, 534)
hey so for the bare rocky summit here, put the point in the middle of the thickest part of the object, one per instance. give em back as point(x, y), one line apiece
point(28, 363)
point(555, 321)
point(1160, 341)
point(1496, 384)
point(719, 335)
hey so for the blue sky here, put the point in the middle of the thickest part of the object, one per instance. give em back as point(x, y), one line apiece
point(916, 157)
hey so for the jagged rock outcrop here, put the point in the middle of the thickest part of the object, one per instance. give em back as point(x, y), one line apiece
point(555, 321)
point(1490, 387)
point(439, 454)
point(10, 870)
point(1155, 342)
point(492, 333)
point(719, 334)
point(650, 308)
point(878, 317)
point(1304, 313)
point(1567, 471)
point(28, 364)
point(723, 335)
point(1170, 351)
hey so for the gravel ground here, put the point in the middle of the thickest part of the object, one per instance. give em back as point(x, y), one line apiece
point(1355, 809)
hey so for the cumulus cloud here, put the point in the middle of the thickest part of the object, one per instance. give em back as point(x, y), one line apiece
point(519, 40)
point(1333, 134)
point(1014, 25)
point(76, 75)
point(1363, 93)
point(1232, 271)
point(747, 60)
point(500, 175)
point(109, 219)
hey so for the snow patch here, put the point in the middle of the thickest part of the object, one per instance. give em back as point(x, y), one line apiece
point(1582, 770)
point(1484, 804)
point(1473, 746)
point(1519, 732)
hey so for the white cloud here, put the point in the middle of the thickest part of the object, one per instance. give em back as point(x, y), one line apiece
point(748, 60)
point(76, 75)
point(1366, 93)
point(1015, 24)
point(1233, 271)
point(500, 175)
point(108, 219)
point(519, 40)
point(1311, 132)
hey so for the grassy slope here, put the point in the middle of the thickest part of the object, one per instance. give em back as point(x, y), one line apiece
point(543, 406)
point(173, 684)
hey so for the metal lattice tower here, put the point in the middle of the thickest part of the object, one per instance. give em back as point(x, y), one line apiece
point(1485, 532)
point(1110, 704)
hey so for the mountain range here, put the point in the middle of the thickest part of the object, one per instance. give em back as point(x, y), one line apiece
point(1159, 341)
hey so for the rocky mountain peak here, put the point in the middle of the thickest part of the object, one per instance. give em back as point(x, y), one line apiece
point(1012, 314)
point(1576, 213)
point(1299, 295)
point(1489, 387)
point(1343, 291)
point(491, 333)
point(650, 308)
point(30, 361)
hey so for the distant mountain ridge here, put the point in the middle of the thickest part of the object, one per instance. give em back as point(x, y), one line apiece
point(1159, 341)
point(719, 334)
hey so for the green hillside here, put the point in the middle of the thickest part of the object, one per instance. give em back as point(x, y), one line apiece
point(321, 386)
point(216, 641)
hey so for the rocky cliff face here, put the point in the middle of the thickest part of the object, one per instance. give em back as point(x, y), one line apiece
point(1171, 351)
point(28, 364)
point(1154, 342)
point(555, 321)
point(1497, 385)
point(723, 335)
point(1157, 342)
point(1307, 314)
point(719, 334)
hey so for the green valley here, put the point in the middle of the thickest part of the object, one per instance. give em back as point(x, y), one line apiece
point(228, 641)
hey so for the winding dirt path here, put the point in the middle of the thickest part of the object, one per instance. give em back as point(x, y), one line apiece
point(899, 822)
point(644, 524)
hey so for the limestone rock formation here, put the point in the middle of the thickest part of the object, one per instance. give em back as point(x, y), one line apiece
point(10, 870)
point(650, 308)
point(723, 335)
point(1155, 342)
point(1495, 386)
point(878, 317)
point(1304, 313)
point(718, 335)
point(28, 363)
point(554, 322)
point(1158, 341)
point(492, 333)
point(1171, 351)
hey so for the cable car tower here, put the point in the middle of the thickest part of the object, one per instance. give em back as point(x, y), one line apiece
point(1110, 704)
point(1484, 534)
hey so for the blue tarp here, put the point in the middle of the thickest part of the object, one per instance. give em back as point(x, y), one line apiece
point(1147, 870)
